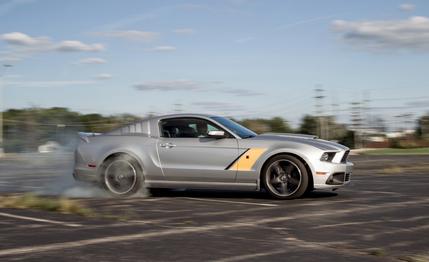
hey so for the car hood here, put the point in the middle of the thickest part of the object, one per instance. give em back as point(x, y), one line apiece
point(304, 139)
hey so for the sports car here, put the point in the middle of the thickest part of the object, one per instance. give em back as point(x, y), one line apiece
point(195, 151)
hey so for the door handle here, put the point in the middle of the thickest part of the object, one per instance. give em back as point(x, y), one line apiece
point(167, 145)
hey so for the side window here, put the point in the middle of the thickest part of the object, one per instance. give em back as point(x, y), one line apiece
point(186, 127)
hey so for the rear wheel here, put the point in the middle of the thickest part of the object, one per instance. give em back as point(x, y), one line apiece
point(285, 177)
point(122, 175)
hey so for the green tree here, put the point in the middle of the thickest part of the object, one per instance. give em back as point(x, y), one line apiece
point(308, 125)
point(279, 125)
point(260, 125)
point(348, 139)
point(422, 130)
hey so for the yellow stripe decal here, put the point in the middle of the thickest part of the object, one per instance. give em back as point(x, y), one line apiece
point(248, 159)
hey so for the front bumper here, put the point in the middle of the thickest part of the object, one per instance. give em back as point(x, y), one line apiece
point(332, 175)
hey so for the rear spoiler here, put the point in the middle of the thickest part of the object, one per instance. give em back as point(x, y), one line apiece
point(84, 136)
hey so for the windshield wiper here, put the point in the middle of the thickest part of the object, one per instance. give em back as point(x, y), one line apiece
point(248, 136)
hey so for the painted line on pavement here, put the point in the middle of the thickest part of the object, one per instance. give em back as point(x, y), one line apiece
point(40, 220)
point(231, 202)
point(246, 257)
point(201, 229)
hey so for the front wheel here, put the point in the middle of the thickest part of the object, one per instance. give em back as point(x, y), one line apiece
point(122, 176)
point(285, 177)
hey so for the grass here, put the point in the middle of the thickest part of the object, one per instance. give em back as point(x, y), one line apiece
point(31, 201)
point(397, 151)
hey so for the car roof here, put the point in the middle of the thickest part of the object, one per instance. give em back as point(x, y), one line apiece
point(179, 115)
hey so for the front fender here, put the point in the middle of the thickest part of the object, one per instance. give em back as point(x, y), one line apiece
point(253, 175)
point(263, 159)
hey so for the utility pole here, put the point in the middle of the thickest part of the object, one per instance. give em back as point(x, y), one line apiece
point(409, 120)
point(405, 120)
point(319, 96)
point(333, 129)
point(424, 123)
point(1, 110)
point(365, 116)
point(356, 120)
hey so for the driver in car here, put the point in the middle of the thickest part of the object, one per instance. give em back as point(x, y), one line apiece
point(202, 129)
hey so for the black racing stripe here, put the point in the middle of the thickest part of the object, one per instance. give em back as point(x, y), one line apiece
point(235, 160)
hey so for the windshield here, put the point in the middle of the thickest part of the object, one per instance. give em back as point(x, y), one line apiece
point(237, 129)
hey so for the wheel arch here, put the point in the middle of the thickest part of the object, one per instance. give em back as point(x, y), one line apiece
point(118, 153)
point(303, 159)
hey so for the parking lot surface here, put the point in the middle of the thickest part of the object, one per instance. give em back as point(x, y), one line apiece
point(383, 215)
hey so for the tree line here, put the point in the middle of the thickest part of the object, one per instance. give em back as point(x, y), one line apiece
point(26, 129)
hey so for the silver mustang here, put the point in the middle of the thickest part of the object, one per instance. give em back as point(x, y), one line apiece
point(213, 152)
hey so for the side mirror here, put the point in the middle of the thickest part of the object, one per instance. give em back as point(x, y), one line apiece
point(216, 134)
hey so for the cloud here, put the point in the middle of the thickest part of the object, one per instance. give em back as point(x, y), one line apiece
point(196, 86)
point(241, 92)
point(77, 46)
point(61, 83)
point(10, 57)
point(134, 35)
point(219, 106)
point(303, 22)
point(423, 103)
point(92, 60)
point(409, 34)
point(184, 31)
point(22, 46)
point(21, 39)
point(406, 7)
point(169, 85)
point(103, 76)
point(162, 48)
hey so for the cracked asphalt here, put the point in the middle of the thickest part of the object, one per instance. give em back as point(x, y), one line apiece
point(383, 215)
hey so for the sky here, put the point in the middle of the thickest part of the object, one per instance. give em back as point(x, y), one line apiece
point(240, 58)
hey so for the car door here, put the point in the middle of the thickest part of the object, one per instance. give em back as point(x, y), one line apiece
point(186, 152)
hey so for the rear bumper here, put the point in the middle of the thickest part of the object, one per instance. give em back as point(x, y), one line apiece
point(85, 174)
point(83, 171)
point(333, 175)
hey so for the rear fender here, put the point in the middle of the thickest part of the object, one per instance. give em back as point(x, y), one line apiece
point(118, 151)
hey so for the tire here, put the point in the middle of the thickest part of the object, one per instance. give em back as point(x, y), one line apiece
point(285, 177)
point(121, 175)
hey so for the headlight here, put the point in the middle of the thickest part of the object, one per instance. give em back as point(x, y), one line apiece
point(327, 156)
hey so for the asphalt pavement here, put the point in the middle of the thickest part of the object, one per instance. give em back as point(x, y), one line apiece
point(383, 215)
